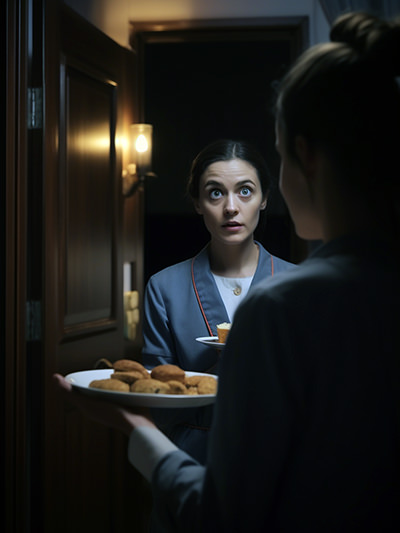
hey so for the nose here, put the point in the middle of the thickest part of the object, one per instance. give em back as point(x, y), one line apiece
point(230, 206)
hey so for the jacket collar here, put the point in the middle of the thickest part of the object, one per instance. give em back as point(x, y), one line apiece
point(208, 296)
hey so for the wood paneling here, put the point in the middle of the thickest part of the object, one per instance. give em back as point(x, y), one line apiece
point(89, 200)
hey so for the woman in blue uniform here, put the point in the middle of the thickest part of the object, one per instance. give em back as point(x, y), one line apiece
point(229, 184)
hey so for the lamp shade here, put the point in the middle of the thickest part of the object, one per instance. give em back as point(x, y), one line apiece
point(141, 147)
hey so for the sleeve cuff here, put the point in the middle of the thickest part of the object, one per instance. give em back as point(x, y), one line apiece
point(147, 445)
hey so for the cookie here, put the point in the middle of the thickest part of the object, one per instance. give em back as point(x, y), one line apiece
point(128, 365)
point(152, 386)
point(192, 381)
point(130, 377)
point(109, 384)
point(192, 391)
point(168, 373)
point(201, 384)
point(177, 387)
point(207, 385)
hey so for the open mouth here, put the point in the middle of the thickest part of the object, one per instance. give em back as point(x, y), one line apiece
point(232, 225)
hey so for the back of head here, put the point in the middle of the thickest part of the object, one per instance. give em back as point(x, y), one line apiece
point(343, 96)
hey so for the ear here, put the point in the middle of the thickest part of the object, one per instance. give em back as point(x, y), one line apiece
point(306, 155)
point(196, 205)
point(264, 203)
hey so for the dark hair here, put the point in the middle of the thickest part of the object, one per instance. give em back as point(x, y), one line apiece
point(226, 150)
point(343, 97)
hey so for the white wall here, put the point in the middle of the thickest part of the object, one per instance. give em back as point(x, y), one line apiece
point(113, 16)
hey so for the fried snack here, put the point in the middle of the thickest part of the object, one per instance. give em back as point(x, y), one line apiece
point(191, 384)
point(207, 385)
point(201, 384)
point(192, 381)
point(153, 386)
point(222, 331)
point(168, 373)
point(177, 387)
point(128, 365)
point(130, 377)
point(109, 384)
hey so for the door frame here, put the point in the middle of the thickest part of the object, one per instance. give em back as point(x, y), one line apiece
point(142, 33)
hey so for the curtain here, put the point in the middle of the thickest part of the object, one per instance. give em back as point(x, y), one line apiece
point(382, 8)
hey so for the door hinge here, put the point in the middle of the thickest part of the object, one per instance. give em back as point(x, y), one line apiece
point(35, 108)
point(33, 321)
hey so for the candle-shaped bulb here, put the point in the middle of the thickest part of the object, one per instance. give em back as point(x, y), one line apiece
point(141, 144)
point(141, 147)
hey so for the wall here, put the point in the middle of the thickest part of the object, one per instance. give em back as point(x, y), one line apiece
point(113, 16)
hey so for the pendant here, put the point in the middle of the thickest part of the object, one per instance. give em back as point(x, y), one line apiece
point(237, 291)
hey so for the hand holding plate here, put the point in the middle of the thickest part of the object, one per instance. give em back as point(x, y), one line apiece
point(107, 413)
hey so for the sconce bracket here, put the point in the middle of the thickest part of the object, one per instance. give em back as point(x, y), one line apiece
point(132, 182)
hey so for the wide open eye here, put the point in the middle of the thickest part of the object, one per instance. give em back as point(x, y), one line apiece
point(245, 191)
point(215, 194)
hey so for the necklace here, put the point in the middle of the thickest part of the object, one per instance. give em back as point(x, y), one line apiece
point(233, 284)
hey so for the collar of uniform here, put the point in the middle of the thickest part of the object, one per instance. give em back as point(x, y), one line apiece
point(211, 302)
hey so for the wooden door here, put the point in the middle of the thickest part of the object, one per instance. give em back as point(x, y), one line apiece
point(88, 482)
point(69, 232)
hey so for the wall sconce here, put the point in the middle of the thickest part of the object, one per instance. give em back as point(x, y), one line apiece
point(139, 167)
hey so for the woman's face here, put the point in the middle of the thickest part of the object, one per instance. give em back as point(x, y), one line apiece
point(230, 200)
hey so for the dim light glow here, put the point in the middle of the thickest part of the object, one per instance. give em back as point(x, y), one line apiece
point(138, 166)
point(141, 144)
point(141, 147)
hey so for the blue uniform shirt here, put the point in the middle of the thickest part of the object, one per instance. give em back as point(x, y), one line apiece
point(182, 302)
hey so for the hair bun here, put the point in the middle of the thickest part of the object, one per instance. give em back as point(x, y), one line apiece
point(374, 39)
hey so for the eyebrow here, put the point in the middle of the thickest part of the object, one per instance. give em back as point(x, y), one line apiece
point(211, 183)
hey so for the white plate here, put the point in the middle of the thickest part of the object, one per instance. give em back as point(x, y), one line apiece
point(211, 341)
point(81, 380)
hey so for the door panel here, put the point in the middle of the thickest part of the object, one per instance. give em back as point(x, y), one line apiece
point(88, 228)
point(88, 197)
